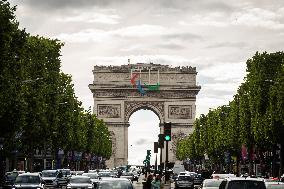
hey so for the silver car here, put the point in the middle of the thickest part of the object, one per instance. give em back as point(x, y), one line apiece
point(28, 180)
point(49, 177)
point(82, 182)
point(114, 183)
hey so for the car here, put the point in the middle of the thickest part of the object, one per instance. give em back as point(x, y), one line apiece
point(114, 173)
point(49, 177)
point(93, 176)
point(135, 176)
point(197, 179)
point(79, 181)
point(272, 184)
point(105, 175)
point(211, 183)
point(10, 179)
point(222, 176)
point(28, 180)
point(242, 183)
point(184, 181)
point(62, 177)
point(127, 175)
point(114, 183)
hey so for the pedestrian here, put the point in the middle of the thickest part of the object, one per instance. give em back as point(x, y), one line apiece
point(149, 181)
point(156, 184)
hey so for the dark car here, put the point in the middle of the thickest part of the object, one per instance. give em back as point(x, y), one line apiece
point(198, 179)
point(10, 179)
point(184, 181)
point(114, 183)
point(49, 177)
point(62, 177)
point(28, 180)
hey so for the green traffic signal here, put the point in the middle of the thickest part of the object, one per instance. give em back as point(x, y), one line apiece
point(167, 138)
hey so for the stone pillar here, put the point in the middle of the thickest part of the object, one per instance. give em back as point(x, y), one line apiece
point(119, 132)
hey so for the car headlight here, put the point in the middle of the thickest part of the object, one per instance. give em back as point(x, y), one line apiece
point(90, 187)
point(38, 188)
point(13, 187)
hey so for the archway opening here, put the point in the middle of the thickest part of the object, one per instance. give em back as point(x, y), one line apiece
point(142, 133)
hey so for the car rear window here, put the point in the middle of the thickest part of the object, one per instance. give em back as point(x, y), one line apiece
point(185, 178)
point(27, 179)
point(212, 183)
point(246, 184)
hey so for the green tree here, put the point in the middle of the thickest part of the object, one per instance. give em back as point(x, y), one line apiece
point(12, 41)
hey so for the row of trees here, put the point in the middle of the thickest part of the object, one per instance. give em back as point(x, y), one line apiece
point(254, 118)
point(39, 109)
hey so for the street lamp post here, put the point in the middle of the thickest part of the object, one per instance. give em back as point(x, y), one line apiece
point(2, 160)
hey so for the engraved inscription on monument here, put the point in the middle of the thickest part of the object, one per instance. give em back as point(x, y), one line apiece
point(109, 110)
point(180, 112)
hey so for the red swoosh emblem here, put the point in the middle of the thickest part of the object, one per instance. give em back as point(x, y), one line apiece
point(133, 79)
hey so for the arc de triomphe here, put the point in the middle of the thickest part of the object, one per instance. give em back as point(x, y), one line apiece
point(119, 91)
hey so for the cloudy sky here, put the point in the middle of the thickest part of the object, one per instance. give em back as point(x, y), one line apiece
point(215, 36)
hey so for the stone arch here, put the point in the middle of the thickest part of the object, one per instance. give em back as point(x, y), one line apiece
point(116, 99)
point(156, 107)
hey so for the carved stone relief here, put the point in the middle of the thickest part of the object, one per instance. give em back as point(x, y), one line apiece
point(113, 139)
point(180, 112)
point(175, 138)
point(154, 94)
point(109, 110)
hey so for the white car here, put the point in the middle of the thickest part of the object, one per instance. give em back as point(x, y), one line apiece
point(211, 183)
point(274, 184)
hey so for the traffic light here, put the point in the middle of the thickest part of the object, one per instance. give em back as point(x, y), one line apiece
point(167, 131)
point(161, 141)
point(149, 153)
point(155, 147)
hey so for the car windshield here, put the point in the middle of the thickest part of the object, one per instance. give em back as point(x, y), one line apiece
point(197, 176)
point(215, 183)
point(118, 184)
point(66, 172)
point(91, 175)
point(49, 173)
point(11, 176)
point(126, 174)
point(184, 178)
point(246, 184)
point(27, 179)
point(104, 174)
point(80, 180)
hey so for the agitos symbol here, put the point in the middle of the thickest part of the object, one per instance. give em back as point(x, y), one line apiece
point(136, 81)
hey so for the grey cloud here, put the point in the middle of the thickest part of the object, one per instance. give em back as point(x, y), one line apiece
point(202, 5)
point(183, 36)
point(228, 44)
point(169, 6)
point(62, 4)
point(218, 93)
point(141, 141)
point(171, 46)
